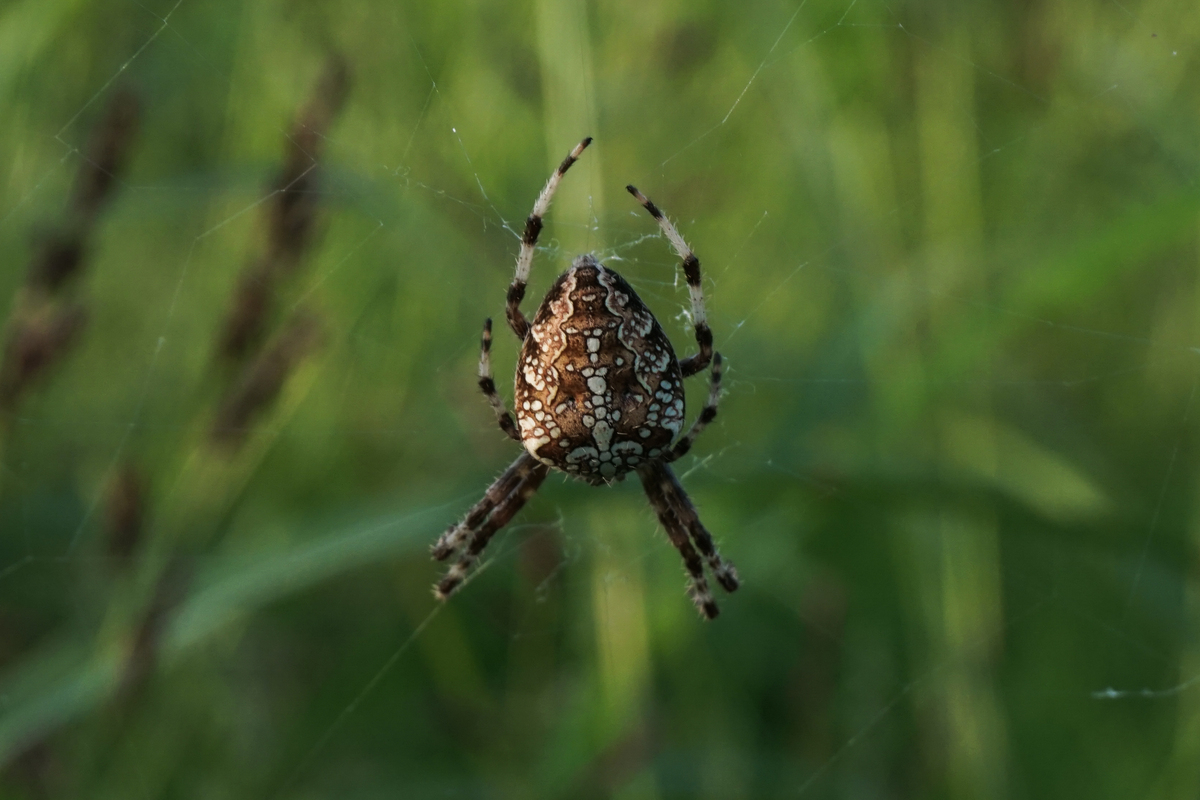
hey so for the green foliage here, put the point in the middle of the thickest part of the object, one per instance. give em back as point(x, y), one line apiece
point(950, 254)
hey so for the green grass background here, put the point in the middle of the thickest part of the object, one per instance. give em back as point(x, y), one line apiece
point(950, 252)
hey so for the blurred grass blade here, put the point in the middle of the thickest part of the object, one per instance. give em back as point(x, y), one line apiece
point(64, 682)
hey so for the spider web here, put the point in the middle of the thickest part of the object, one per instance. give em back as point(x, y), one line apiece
point(983, 334)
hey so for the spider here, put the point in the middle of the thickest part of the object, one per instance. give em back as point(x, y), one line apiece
point(599, 393)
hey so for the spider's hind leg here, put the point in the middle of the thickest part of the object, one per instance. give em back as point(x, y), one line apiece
point(500, 489)
point(529, 474)
point(697, 584)
point(681, 505)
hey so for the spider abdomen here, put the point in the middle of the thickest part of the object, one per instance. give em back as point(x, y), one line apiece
point(598, 388)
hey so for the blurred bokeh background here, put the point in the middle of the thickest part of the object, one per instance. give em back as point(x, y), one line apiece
point(951, 256)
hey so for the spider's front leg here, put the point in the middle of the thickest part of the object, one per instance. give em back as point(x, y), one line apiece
point(707, 415)
point(691, 271)
point(488, 385)
point(533, 227)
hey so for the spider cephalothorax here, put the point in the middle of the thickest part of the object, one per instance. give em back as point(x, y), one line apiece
point(599, 394)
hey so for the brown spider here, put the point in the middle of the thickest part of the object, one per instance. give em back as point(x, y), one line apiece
point(599, 393)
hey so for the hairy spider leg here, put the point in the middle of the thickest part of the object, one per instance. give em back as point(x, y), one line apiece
point(488, 385)
point(681, 504)
point(531, 479)
point(697, 584)
point(500, 489)
point(691, 271)
point(707, 415)
point(533, 227)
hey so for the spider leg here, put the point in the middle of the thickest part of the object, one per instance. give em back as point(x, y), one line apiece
point(488, 385)
point(691, 270)
point(500, 489)
point(697, 585)
point(500, 516)
point(707, 415)
point(533, 227)
point(681, 504)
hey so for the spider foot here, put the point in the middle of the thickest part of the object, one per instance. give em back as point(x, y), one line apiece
point(447, 543)
point(449, 584)
point(726, 575)
point(699, 592)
